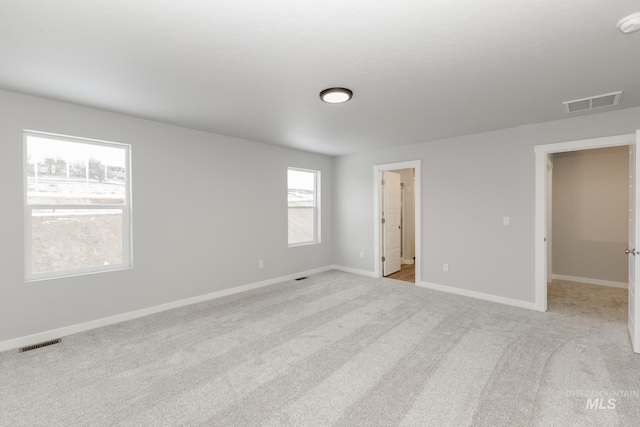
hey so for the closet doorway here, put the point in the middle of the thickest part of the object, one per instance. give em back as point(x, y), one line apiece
point(542, 220)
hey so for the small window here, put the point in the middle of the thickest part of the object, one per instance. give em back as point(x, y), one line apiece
point(304, 206)
point(77, 206)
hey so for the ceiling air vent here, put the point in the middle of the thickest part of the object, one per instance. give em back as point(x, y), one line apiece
point(598, 101)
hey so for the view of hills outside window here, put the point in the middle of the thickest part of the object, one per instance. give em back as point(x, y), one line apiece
point(76, 195)
point(302, 206)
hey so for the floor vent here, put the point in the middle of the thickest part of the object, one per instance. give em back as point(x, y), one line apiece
point(301, 278)
point(42, 344)
point(606, 100)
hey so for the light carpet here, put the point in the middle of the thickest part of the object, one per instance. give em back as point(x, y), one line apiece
point(339, 349)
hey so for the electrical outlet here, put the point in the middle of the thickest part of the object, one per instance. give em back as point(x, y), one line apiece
point(260, 264)
point(445, 267)
point(361, 255)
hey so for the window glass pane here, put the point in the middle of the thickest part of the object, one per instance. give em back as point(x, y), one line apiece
point(74, 173)
point(303, 205)
point(301, 225)
point(301, 188)
point(73, 239)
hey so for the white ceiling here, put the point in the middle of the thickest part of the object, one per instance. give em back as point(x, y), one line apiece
point(419, 70)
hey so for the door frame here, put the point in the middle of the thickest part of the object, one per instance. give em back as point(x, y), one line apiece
point(541, 153)
point(377, 217)
point(549, 209)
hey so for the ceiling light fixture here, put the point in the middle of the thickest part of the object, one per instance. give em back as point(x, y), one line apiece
point(629, 24)
point(336, 95)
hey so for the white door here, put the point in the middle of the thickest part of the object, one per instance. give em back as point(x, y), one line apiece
point(391, 229)
point(634, 187)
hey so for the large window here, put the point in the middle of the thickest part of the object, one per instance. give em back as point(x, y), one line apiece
point(304, 206)
point(77, 206)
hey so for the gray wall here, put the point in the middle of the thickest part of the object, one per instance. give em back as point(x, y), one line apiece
point(208, 227)
point(206, 208)
point(468, 185)
point(590, 213)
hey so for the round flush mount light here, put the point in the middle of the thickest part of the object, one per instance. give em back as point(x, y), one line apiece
point(629, 24)
point(336, 95)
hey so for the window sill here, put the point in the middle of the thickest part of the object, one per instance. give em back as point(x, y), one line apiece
point(76, 273)
point(295, 245)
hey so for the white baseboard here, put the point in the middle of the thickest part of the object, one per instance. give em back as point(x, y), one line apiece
point(408, 261)
point(452, 290)
point(98, 323)
point(609, 283)
point(478, 295)
point(354, 271)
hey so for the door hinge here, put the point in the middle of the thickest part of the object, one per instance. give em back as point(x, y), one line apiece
point(383, 182)
point(383, 259)
point(383, 220)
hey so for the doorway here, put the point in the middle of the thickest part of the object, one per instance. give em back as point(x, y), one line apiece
point(403, 229)
point(398, 224)
point(542, 153)
point(588, 220)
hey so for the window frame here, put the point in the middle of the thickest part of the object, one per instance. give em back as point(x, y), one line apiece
point(126, 208)
point(316, 208)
